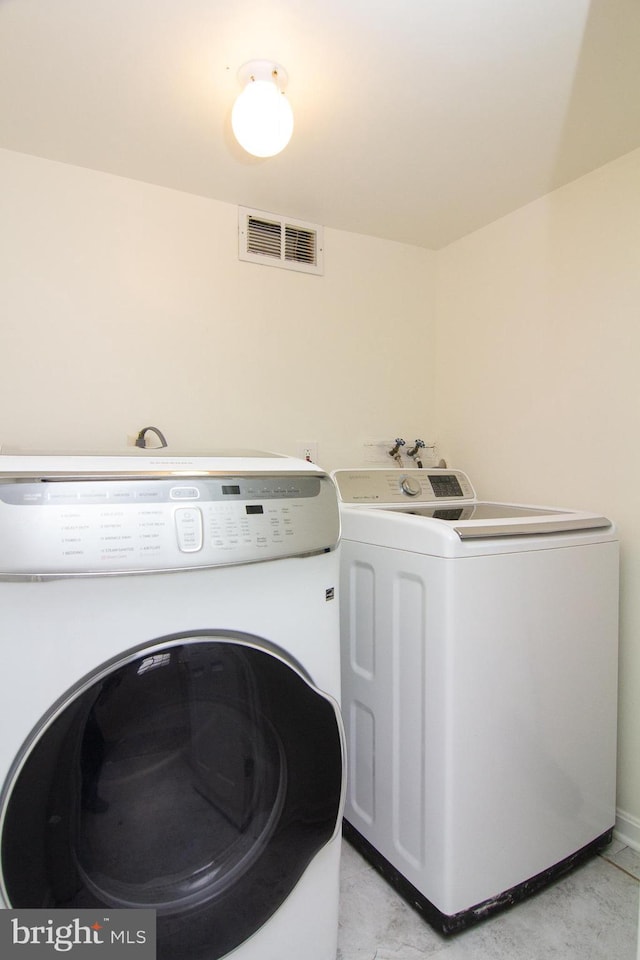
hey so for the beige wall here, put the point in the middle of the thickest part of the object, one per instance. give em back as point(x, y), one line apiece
point(124, 304)
point(537, 379)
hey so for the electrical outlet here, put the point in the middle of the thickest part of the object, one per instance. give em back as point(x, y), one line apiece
point(307, 450)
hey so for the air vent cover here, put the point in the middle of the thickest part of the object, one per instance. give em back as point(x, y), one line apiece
point(279, 241)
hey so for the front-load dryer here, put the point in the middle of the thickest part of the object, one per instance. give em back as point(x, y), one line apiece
point(171, 734)
point(479, 688)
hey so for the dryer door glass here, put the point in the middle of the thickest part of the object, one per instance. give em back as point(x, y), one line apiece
point(198, 779)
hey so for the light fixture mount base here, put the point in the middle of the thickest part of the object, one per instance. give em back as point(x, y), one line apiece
point(263, 70)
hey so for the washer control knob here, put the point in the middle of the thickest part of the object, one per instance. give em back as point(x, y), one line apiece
point(410, 486)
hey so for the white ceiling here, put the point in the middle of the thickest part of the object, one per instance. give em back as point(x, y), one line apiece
point(415, 120)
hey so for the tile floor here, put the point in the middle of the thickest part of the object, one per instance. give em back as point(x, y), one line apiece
point(591, 914)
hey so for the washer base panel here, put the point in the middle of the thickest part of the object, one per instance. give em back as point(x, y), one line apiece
point(457, 922)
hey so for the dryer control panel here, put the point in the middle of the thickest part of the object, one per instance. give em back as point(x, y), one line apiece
point(388, 486)
point(60, 527)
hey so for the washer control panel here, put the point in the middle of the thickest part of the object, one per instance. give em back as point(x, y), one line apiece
point(58, 527)
point(388, 486)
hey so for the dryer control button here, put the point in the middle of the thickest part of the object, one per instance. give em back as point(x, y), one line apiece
point(410, 486)
point(189, 529)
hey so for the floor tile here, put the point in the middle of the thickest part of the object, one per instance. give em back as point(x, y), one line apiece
point(591, 914)
point(615, 847)
point(624, 857)
point(375, 921)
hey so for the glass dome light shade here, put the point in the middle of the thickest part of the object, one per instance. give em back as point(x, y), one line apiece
point(262, 119)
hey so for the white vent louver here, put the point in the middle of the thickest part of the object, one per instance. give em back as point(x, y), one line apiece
point(279, 241)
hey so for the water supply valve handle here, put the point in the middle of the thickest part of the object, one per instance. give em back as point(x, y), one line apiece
point(419, 445)
point(399, 442)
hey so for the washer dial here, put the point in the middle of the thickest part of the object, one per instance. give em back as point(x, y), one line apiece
point(410, 486)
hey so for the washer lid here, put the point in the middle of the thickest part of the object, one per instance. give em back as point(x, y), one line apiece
point(506, 519)
point(444, 535)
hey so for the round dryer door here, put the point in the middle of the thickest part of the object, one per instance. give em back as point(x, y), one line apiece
point(198, 777)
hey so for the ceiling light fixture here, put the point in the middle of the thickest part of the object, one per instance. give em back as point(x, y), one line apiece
point(262, 118)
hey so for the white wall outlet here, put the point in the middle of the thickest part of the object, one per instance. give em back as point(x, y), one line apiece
point(307, 450)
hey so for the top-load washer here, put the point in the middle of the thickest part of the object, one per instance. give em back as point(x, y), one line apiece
point(171, 736)
point(479, 688)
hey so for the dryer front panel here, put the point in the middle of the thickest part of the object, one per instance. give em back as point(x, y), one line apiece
point(198, 776)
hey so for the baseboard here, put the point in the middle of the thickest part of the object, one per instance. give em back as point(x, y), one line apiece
point(627, 830)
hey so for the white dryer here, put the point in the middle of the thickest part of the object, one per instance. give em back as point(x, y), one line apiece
point(171, 735)
point(479, 665)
